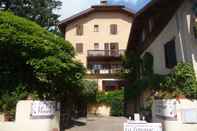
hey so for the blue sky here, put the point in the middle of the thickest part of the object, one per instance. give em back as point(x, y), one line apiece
point(71, 7)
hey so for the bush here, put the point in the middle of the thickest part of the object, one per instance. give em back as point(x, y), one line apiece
point(181, 81)
point(89, 91)
point(117, 106)
point(114, 99)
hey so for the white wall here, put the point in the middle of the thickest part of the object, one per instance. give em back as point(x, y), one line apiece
point(180, 28)
point(177, 124)
point(23, 121)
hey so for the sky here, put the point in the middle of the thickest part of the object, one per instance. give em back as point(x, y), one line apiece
point(71, 7)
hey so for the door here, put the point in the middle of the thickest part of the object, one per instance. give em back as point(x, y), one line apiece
point(106, 49)
point(114, 49)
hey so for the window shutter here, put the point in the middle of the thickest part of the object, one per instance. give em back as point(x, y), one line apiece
point(113, 29)
point(79, 48)
point(170, 54)
point(79, 30)
point(96, 28)
point(96, 46)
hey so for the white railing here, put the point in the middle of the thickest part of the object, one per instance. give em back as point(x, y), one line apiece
point(104, 71)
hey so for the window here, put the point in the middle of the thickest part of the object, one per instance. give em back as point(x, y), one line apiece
point(79, 30)
point(112, 85)
point(114, 49)
point(113, 29)
point(195, 32)
point(170, 54)
point(96, 28)
point(96, 46)
point(79, 48)
point(151, 24)
point(143, 36)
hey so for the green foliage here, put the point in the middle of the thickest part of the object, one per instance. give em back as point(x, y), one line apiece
point(40, 11)
point(182, 80)
point(117, 107)
point(131, 64)
point(7, 102)
point(89, 90)
point(114, 99)
point(39, 60)
point(147, 64)
point(141, 75)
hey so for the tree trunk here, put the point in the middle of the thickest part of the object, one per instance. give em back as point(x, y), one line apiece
point(66, 114)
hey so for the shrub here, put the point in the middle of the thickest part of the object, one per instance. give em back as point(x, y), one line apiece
point(117, 106)
point(89, 90)
point(181, 81)
point(114, 99)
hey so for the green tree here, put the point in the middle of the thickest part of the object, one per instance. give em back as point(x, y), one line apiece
point(41, 11)
point(38, 61)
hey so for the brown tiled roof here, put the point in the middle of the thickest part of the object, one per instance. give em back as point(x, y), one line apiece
point(95, 8)
point(162, 11)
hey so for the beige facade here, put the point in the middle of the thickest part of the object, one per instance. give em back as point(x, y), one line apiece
point(179, 28)
point(89, 37)
point(96, 41)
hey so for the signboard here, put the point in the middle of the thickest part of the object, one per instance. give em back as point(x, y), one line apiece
point(166, 108)
point(143, 127)
point(189, 116)
point(43, 109)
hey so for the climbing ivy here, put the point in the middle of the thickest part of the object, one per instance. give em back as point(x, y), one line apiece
point(181, 81)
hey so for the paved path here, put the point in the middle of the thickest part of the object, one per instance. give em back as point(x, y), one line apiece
point(99, 124)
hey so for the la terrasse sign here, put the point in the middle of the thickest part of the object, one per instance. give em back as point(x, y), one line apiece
point(43, 109)
point(133, 126)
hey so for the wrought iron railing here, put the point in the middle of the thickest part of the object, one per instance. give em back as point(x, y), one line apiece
point(106, 53)
point(104, 71)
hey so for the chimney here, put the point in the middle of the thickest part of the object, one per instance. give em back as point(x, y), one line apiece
point(104, 2)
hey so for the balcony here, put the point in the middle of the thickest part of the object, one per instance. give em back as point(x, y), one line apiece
point(104, 55)
point(104, 73)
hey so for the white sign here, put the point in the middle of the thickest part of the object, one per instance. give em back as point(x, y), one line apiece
point(166, 108)
point(189, 116)
point(43, 109)
point(137, 117)
point(143, 127)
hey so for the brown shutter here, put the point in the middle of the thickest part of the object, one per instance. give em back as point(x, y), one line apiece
point(170, 54)
point(96, 28)
point(79, 30)
point(79, 48)
point(113, 29)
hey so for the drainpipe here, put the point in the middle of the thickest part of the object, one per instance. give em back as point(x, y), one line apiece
point(179, 24)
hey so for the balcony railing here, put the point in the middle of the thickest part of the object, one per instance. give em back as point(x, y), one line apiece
point(104, 71)
point(105, 53)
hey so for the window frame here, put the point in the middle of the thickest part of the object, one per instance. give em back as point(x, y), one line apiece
point(79, 48)
point(79, 29)
point(96, 46)
point(170, 54)
point(143, 35)
point(151, 24)
point(113, 29)
point(96, 28)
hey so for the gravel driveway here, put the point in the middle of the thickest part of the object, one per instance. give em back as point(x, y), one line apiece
point(98, 124)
